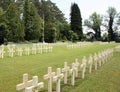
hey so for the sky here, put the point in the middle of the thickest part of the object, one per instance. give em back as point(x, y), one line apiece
point(87, 7)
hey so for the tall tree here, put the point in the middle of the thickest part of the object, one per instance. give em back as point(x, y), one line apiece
point(32, 22)
point(111, 14)
point(15, 26)
point(76, 20)
point(94, 22)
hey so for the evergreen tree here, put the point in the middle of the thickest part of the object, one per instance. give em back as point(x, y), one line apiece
point(111, 13)
point(76, 20)
point(32, 22)
point(14, 24)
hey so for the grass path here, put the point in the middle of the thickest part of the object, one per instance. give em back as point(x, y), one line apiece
point(11, 69)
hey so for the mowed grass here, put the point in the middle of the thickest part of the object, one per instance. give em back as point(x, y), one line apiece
point(105, 79)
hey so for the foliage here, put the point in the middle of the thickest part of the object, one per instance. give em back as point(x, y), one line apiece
point(32, 22)
point(111, 14)
point(15, 28)
point(94, 22)
point(76, 20)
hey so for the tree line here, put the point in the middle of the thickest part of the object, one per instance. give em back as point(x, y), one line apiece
point(39, 21)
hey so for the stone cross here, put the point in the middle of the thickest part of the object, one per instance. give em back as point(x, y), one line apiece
point(99, 58)
point(25, 83)
point(49, 77)
point(83, 66)
point(19, 51)
point(11, 52)
point(2, 53)
point(40, 49)
point(77, 66)
point(58, 78)
point(35, 86)
point(65, 71)
point(34, 50)
point(90, 63)
point(95, 61)
point(2, 46)
point(73, 71)
point(27, 51)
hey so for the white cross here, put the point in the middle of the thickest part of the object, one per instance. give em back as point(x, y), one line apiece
point(95, 61)
point(99, 58)
point(19, 50)
point(49, 77)
point(11, 52)
point(2, 53)
point(77, 66)
point(27, 51)
point(73, 71)
point(34, 50)
point(58, 78)
point(90, 63)
point(35, 86)
point(40, 49)
point(25, 83)
point(83, 67)
point(65, 71)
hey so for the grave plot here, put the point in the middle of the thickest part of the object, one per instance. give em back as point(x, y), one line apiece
point(14, 50)
point(34, 86)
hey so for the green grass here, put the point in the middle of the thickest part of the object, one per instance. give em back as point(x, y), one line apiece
point(105, 79)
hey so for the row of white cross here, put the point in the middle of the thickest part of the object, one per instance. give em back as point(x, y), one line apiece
point(71, 46)
point(27, 50)
point(96, 60)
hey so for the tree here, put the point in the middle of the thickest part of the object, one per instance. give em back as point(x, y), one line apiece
point(94, 22)
point(76, 20)
point(15, 28)
point(2, 26)
point(32, 22)
point(111, 14)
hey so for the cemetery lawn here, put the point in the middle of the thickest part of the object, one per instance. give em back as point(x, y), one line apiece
point(105, 79)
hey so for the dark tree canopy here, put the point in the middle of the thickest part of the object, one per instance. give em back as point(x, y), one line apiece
point(111, 14)
point(76, 20)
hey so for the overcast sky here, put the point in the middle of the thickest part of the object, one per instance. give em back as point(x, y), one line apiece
point(87, 7)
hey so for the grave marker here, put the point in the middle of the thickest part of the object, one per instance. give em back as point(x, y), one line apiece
point(35, 86)
point(27, 51)
point(49, 77)
point(65, 71)
point(99, 59)
point(77, 66)
point(95, 61)
point(11, 52)
point(90, 63)
point(19, 50)
point(2, 53)
point(25, 83)
point(34, 50)
point(58, 78)
point(83, 67)
point(73, 71)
